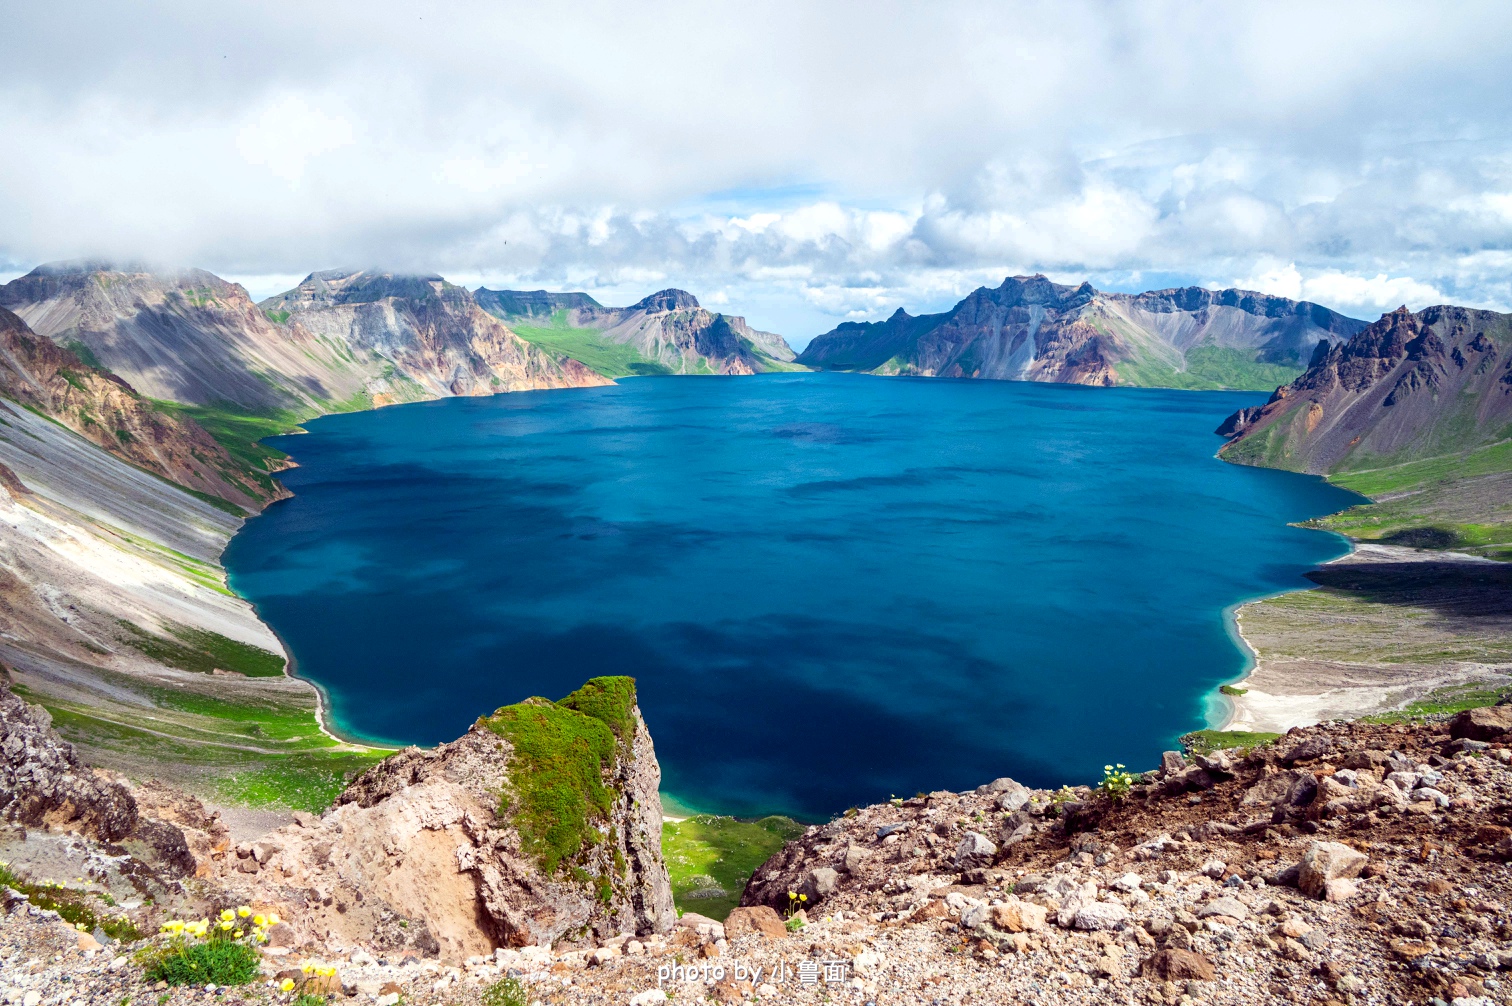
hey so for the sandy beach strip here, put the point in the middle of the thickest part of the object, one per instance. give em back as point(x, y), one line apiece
point(1316, 660)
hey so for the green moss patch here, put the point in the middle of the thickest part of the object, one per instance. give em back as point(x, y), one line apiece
point(304, 781)
point(590, 348)
point(562, 753)
point(1209, 368)
point(610, 701)
point(1413, 474)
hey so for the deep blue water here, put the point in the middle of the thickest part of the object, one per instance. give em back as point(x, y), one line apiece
point(831, 588)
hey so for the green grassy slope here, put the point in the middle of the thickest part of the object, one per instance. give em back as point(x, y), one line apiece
point(1458, 501)
point(592, 350)
point(710, 858)
point(1209, 368)
point(225, 739)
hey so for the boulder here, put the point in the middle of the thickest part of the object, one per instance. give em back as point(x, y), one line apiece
point(819, 883)
point(1311, 749)
point(1174, 965)
point(1008, 794)
point(1017, 916)
point(1325, 861)
point(1231, 908)
point(975, 850)
point(929, 911)
point(1488, 723)
point(1338, 889)
point(757, 919)
point(1100, 916)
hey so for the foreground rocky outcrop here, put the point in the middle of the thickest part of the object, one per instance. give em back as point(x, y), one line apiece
point(1345, 863)
point(43, 782)
point(1352, 862)
point(444, 850)
point(1031, 329)
point(434, 852)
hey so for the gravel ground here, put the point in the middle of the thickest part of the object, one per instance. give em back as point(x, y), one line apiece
point(1278, 875)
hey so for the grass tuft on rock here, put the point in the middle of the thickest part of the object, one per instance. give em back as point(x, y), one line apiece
point(610, 700)
point(562, 753)
point(1206, 741)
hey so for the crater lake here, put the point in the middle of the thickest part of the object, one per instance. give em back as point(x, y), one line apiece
point(830, 588)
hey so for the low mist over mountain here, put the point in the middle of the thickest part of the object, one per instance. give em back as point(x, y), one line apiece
point(665, 333)
point(1030, 329)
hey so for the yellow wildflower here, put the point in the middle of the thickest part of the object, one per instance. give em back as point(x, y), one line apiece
point(259, 921)
point(244, 911)
point(287, 985)
point(228, 915)
point(272, 918)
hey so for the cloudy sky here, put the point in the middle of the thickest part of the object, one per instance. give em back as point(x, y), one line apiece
point(799, 163)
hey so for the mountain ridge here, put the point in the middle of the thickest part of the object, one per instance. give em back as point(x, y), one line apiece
point(667, 332)
point(1409, 386)
point(1030, 328)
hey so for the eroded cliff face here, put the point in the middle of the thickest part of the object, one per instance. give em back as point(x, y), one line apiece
point(431, 337)
point(541, 824)
point(1412, 385)
point(339, 340)
point(106, 411)
point(43, 783)
point(186, 336)
point(1031, 329)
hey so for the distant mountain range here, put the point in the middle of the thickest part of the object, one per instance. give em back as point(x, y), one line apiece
point(665, 333)
point(1030, 329)
point(340, 340)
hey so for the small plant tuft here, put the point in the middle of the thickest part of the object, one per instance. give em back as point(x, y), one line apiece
point(506, 992)
point(200, 952)
point(1116, 782)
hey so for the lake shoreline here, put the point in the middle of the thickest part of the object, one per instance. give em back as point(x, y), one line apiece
point(1320, 658)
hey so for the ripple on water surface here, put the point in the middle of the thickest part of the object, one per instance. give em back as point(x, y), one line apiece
point(831, 588)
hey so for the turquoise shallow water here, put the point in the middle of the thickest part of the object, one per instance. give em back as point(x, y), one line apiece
point(832, 588)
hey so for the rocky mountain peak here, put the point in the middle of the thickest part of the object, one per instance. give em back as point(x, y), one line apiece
point(666, 300)
point(1396, 389)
